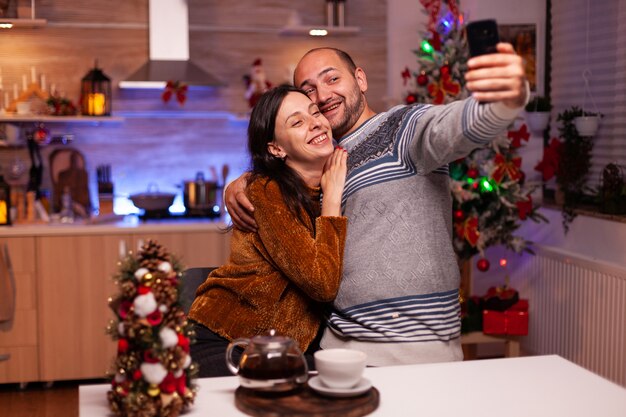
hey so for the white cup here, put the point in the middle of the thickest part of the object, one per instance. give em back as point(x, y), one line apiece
point(340, 368)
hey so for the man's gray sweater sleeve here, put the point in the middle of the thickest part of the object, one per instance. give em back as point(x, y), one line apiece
point(443, 134)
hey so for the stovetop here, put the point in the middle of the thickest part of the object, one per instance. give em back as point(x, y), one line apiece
point(188, 215)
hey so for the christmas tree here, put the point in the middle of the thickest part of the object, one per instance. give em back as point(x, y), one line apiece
point(152, 374)
point(490, 197)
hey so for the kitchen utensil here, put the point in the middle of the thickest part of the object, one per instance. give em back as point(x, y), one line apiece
point(225, 170)
point(153, 200)
point(199, 196)
point(269, 363)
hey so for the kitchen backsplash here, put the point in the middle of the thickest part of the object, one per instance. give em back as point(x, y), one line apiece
point(163, 145)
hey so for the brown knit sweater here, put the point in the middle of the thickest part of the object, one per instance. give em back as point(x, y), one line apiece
point(276, 278)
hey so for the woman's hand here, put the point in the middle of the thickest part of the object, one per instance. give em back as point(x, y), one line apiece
point(333, 180)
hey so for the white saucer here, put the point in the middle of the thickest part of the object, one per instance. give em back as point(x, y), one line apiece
point(363, 386)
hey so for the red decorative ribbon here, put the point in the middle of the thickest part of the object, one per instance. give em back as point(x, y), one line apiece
point(432, 7)
point(175, 88)
point(406, 74)
point(549, 165)
point(468, 230)
point(510, 168)
point(445, 85)
point(517, 136)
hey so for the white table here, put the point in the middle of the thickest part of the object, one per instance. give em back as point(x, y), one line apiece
point(533, 386)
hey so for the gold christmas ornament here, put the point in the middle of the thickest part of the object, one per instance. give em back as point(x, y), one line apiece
point(148, 279)
point(153, 390)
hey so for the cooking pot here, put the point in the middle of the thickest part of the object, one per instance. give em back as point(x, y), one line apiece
point(153, 200)
point(199, 196)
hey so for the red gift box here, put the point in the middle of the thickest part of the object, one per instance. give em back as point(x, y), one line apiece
point(513, 322)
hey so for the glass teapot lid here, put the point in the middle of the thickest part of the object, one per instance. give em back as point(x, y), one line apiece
point(271, 340)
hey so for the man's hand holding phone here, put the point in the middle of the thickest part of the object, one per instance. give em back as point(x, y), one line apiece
point(495, 71)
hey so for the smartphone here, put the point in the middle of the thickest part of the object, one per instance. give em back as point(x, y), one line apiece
point(482, 37)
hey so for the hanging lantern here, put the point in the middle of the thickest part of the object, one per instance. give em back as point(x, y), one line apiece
point(95, 93)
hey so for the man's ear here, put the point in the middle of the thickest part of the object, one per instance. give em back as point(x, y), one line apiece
point(275, 150)
point(361, 79)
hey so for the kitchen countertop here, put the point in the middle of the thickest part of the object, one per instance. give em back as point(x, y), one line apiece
point(122, 225)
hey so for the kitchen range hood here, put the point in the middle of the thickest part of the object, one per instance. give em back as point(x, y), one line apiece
point(169, 50)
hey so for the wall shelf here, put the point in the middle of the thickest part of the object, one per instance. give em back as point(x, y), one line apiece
point(95, 120)
point(185, 115)
point(331, 30)
point(23, 23)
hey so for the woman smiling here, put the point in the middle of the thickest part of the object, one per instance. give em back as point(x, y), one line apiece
point(279, 276)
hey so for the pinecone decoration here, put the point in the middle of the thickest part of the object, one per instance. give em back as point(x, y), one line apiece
point(152, 254)
point(153, 371)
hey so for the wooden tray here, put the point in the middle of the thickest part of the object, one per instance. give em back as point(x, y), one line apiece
point(305, 403)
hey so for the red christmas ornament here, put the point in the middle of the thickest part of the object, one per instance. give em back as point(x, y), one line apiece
point(422, 79)
point(472, 173)
point(41, 135)
point(459, 215)
point(142, 290)
point(122, 346)
point(410, 99)
point(155, 318)
point(445, 70)
point(482, 265)
point(183, 342)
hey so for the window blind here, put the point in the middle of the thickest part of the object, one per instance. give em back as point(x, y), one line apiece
point(591, 35)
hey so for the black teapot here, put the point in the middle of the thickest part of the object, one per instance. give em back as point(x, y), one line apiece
point(269, 362)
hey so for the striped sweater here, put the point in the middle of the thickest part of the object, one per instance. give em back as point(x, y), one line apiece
point(398, 299)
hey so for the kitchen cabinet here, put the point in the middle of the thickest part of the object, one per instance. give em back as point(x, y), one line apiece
point(74, 282)
point(194, 249)
point(18, 337)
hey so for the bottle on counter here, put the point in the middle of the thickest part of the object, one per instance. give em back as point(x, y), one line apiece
point(67, 212)
point(5, 202)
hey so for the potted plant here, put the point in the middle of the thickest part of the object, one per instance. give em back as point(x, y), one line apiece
point(538, 113)
point(587, 123)
point(574, 163)
point(612, 193)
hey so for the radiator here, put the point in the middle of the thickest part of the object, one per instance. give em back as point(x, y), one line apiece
point(577, 310)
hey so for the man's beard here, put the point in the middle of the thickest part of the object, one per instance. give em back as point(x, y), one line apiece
point(353, 108)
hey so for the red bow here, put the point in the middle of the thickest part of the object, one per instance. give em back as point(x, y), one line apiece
point(406, 74)
point(468, 230)
point(511, 168)
point(516, 136)
point(549, 165)
point(446, 85)
point(175, 87)
point(524, 208)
